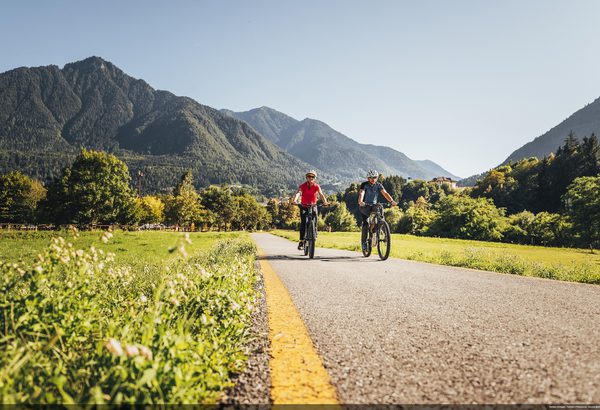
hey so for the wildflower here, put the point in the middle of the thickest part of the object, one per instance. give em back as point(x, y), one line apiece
point(131, 351)
point(143, 299)
point(187, 238)
point(79, 253)
point(235, 306)
point(38, 269)
point(175, 301)
point(114, 347)
point(145, 353)
point(182, 250)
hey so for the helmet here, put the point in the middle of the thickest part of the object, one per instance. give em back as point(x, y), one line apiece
point(372, 174)
point(312, 172)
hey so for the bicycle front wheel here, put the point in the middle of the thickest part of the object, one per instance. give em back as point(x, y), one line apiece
point(383, 240)
point(311, 241)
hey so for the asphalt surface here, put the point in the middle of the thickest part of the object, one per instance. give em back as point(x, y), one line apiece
point(408, 332)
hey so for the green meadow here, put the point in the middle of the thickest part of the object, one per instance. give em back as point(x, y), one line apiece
point(125, 318)
point(576, 265)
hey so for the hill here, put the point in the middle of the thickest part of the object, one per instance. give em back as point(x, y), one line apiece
point(318, 144)
point(582, 123)
point(47, 114)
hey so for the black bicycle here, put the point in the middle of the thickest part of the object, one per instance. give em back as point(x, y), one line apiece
point(379, 234)
point(310, 233)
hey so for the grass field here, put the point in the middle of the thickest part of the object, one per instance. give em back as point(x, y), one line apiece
point(139, 317)
point(577, 265)
point(132, 248)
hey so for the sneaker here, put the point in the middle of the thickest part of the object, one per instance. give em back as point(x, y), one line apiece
point(300, 245)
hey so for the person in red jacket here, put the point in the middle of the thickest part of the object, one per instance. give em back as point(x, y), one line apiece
point(307, 192)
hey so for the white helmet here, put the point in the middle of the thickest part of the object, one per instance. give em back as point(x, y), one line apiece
point(312, 172)
point(372, 174)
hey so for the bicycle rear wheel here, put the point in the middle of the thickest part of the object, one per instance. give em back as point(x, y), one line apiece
point(383, 240)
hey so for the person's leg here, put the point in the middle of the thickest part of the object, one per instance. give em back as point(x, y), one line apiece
point(303, 215)
point(365, 211)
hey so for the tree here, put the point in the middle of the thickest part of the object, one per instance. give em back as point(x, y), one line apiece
point(393, 185)
point(152, 209)
point(550, 229)
point(393, 216)
point(185, 207)
point(19, 197)
point(430, 191)
point(583, 207)
point(95, 189)
point(339, 219)
point(460, 216)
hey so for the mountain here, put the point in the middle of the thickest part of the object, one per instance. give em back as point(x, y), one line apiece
point(583, 123)
point(47, 114)
point(318, 144)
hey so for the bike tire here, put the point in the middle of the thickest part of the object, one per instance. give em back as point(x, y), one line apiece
point(384, 240)
point(306, 247)
point(311, 241)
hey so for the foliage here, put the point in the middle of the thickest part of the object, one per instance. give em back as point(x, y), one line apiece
point(151, 209)
point(338, 218)
point(583, 207)
point(94, 190)
point(460, 216)
point(429, 191)
point(416, 219)
point(76, 328)
point(19, 197)
point(537, 186)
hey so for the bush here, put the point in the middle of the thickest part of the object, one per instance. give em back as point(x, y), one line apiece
point(79, 329)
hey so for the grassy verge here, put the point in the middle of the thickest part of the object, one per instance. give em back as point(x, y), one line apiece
point(82, 326)
point(575, 265)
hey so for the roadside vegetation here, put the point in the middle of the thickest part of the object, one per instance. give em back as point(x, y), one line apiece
point(81, 324)
point(575, 265)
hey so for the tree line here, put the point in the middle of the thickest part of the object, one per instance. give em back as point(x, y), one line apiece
point(553, 202)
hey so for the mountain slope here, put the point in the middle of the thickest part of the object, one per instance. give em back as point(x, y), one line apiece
point(320, 145)
point(583, 123)
point(93, 104)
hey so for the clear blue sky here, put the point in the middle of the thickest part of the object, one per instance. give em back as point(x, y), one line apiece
point(462, 83)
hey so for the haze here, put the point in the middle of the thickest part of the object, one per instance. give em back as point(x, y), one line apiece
point(462, 83)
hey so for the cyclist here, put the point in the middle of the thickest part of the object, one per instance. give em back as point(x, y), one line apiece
point(367, 198)
point(307, 192)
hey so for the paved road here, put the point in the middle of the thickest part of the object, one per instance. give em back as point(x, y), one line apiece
point(409, 332)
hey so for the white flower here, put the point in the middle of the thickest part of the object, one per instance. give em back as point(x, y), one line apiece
point(114, 347)
point(143, 299)
point(38, 269)
point(187, 238)
point(131, 351)
point(145, 353)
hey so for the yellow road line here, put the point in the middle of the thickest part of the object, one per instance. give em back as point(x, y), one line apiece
point(297, 372)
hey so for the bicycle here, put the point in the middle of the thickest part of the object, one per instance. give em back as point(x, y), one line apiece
point(310, 233)
point(379, 234)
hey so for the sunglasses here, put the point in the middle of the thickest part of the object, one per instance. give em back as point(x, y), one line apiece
point(371, 178)
point(310, 177)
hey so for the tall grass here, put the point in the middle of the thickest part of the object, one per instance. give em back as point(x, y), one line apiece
point(76, 327)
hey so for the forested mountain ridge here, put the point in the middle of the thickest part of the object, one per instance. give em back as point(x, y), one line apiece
point(582, 123)
point(93, 104)
point(318, 144)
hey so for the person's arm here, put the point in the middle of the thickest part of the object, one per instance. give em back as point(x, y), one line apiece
point(361, 196)
point(323, 198)
point(295, 198)
point(388, 197)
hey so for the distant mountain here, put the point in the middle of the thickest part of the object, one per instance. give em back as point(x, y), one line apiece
point(318, 144)
point(48, 113)
point(583, 123)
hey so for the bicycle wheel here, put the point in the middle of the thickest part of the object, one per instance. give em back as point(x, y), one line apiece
point(367, 249)
point(311, 241)
point(383, 240)
point(306, 247)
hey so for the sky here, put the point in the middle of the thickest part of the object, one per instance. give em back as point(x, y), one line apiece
point(462, 83)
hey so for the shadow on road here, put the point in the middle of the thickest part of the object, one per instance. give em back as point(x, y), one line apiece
point(317, 257)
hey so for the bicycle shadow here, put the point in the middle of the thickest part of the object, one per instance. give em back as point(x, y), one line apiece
point(317, 257)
